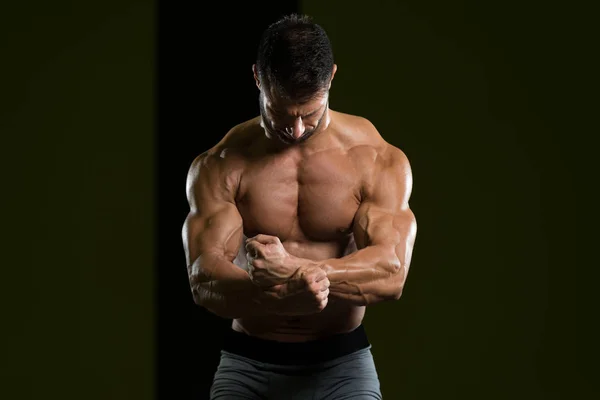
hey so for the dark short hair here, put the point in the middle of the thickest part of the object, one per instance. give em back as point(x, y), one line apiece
point(295, 58)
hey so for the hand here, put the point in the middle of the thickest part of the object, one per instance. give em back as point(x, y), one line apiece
point(305, 293)
point(268, 262)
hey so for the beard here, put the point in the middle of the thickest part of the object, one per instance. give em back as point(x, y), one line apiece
point(282, 135)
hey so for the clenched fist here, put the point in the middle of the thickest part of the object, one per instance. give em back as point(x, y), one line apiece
point(268, 261)
point(306, 292)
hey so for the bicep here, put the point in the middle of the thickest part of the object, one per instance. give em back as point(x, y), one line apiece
point(375, 226)
point(217, 230)
point(213, 224)
point(384, 217)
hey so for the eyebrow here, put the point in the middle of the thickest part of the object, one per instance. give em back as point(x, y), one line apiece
point(301, 116)
point(313, 112)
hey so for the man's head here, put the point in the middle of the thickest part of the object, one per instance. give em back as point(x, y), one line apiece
point(294, 69)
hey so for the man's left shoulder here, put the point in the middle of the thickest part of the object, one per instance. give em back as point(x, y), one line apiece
point(393, 157)
point(384, 153)
point(378, 161)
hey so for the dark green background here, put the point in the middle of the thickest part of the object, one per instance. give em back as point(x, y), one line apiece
point(76, 121)
point(472, 92)
point(479, 95)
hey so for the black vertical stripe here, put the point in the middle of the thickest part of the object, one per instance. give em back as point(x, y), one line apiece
point(205, 88)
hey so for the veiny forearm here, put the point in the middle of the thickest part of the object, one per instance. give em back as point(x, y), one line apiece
point(367, 276)
point(228, 291)
point(225, 289)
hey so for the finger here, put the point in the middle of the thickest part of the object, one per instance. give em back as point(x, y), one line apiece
point(308, 275)
point(251, 245)
point(295, 286)
point(255, 249)
point(266, 239)
point(258, 263)
point(317, 288)
point(320, 275)
point(278, 288)
point(278, 291)
point(322, 296)
point(323, 304)
point(315, 275)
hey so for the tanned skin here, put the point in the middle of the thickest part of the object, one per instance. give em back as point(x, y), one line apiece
point(292, 236)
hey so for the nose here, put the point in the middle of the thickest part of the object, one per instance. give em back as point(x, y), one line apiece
point(299, 128)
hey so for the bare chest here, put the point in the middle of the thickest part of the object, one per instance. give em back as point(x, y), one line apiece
point(300, 198)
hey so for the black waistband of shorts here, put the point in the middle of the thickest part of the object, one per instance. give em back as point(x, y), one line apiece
point(296, 353)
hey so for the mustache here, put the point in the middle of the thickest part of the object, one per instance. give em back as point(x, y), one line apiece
point(284, 133)
point(290, 135)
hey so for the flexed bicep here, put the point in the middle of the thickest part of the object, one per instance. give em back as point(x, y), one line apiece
point(384, 217)
point(213, 229)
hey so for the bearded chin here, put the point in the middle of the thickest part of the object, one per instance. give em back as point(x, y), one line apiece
point(270, 132)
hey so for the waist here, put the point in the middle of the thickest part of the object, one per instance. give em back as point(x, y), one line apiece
point(336, 318)
point(296, 353)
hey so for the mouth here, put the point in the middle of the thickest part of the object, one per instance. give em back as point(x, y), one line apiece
point(287, 135)
point(284, 137)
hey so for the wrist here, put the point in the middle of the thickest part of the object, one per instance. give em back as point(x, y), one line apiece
point(298, 263)
point(303, 263)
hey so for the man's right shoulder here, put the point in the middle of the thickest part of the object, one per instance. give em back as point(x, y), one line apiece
point(227, 157)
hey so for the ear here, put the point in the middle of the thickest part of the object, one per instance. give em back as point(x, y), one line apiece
point(255, 76)
point(332, 74)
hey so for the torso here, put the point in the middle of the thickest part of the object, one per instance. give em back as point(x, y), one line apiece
point(307, 196)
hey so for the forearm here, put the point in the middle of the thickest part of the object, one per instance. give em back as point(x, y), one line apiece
point(228, 291)
point(367, 276)
point(225, 289)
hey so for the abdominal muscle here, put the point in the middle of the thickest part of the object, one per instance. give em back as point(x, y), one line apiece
point(337, 317)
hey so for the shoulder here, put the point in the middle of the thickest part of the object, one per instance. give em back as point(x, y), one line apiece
point(385, 154)
point(358, 134)
point(356, 127)
point(223, 163)
point(229, 152)
point(368, 148)
point(391, 157)
point(382, 165)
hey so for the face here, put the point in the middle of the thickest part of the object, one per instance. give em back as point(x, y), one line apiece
point(292, 122)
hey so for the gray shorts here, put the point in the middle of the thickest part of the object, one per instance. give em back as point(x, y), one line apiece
point(351, 376)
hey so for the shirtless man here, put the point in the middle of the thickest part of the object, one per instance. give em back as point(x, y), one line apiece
point(299, 218)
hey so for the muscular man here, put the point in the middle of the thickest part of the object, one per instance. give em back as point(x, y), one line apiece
point(299, 219)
